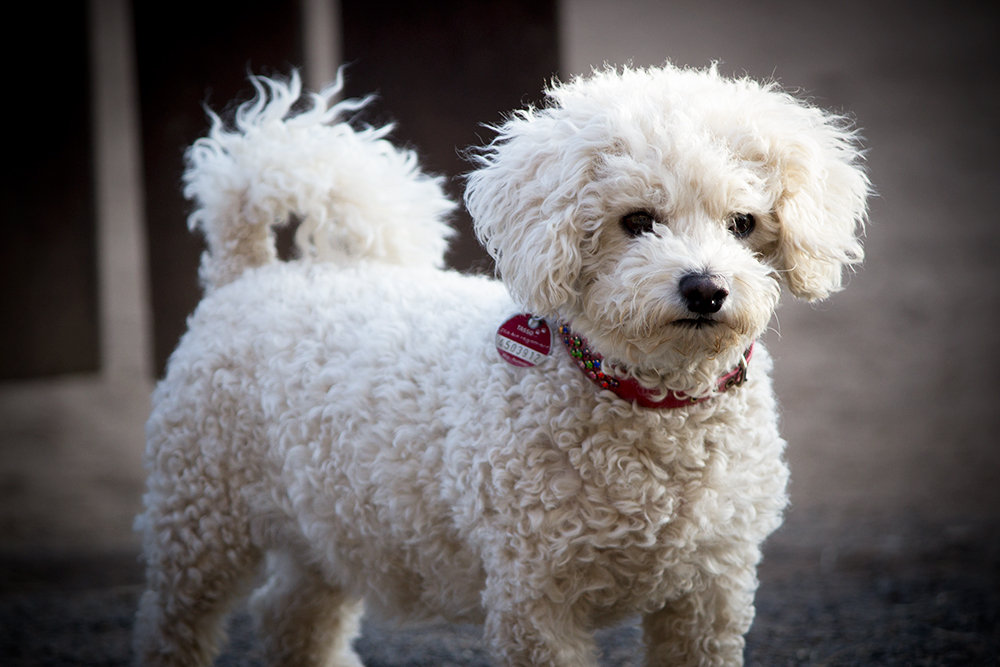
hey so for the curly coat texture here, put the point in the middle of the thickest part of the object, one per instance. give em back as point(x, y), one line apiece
point(343, 423)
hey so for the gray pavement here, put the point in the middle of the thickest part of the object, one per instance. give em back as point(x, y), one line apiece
point(890, 554)
point(937, 605)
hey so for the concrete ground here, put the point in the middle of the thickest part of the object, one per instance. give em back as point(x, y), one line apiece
point(890, 554)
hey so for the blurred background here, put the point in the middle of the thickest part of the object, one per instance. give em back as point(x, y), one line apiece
point(889, 390)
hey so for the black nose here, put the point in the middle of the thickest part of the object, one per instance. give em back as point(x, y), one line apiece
point(703, 294)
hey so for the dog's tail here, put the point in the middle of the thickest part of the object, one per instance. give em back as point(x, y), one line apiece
point(355, 195)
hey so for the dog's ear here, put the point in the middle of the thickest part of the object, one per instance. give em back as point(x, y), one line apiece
point(523, 198)
point(823, 202)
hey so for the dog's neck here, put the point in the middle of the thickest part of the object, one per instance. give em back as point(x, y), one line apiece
point(592, 365)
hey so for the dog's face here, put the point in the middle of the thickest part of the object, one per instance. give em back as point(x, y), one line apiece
point(661, 210)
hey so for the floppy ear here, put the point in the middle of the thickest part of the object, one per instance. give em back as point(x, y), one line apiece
point(821, 209)
point(523, 199)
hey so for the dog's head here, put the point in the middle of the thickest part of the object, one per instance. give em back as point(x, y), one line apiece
point(660, 210)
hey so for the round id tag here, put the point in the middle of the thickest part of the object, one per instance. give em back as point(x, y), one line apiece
point(524, 340)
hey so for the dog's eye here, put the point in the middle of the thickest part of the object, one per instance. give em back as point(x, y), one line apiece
point(638, 223)
point(742, 225)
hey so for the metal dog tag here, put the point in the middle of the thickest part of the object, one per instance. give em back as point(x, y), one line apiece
point(524, 340)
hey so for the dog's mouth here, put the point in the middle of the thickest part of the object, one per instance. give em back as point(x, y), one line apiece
point(696, 322)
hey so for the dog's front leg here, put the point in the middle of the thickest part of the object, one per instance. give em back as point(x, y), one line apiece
point(537, 633)
point(703, 628)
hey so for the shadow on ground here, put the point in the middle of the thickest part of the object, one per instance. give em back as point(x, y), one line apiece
point(935, 602)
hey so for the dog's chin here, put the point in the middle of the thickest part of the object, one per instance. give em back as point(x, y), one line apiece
point(695, 340)
point(696, 323)
point(681, 341)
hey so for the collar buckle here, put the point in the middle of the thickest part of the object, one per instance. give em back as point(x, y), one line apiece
point(739, 375)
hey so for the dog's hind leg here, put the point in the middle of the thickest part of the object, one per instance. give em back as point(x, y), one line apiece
point(199, 559)
point(302, 619)
point(539, 633)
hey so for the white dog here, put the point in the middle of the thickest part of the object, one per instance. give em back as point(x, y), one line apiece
point(592, 438)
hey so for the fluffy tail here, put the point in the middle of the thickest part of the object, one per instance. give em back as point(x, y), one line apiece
point(356, 195)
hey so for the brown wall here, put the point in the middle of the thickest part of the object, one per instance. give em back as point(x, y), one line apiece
point(183, 64)
point(48, 269)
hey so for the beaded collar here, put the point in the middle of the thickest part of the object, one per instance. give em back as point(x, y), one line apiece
point(591, 363)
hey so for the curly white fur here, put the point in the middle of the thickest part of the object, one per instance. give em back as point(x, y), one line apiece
point(351, 188)
point(344, 423)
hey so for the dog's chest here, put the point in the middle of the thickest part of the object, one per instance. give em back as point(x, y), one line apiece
point(627, 507)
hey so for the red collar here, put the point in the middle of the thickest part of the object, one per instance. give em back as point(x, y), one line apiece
point(590, 363)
